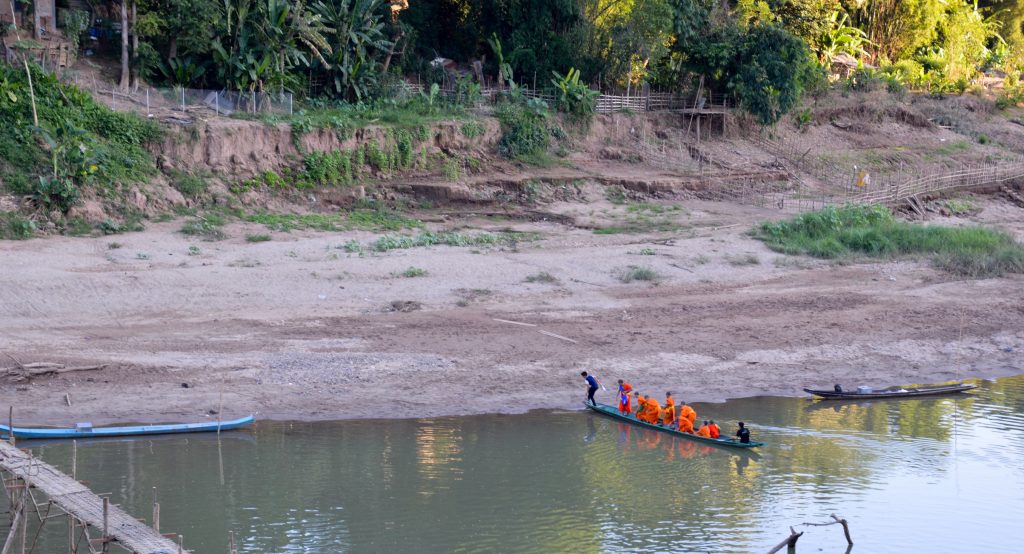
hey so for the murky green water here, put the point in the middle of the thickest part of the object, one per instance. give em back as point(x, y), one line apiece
point(936, 475)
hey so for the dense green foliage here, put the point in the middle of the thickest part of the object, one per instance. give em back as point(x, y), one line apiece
point(762, 51)
point(873, 231)
point(78, 142)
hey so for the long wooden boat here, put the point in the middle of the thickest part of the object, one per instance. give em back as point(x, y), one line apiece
point(894, 392)
point(612, 411)
point(84, 431)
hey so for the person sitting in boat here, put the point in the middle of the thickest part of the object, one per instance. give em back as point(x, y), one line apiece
point(686, 412)
point(668, 414)
point(743, 433)
point(705, 430)
point(638, 401)
point(652, 411)
point(684, 425)
point(839, 389)
point(716, 431)
point(624, 390)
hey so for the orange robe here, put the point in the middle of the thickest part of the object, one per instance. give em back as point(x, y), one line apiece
point(704, 431)
point(624, 405)
point(668, 415)
point(651, 411)
point(640, 403)
point(686, 412)
point(715, 430)
point(685, 425)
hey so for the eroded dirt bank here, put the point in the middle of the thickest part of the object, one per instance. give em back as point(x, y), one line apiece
point(298, 328)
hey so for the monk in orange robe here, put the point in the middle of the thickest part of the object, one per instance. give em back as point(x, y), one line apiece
point(668, 415)
point(716, 431)
point(624, 390)
point(638, 400)
point(650, 412)
point(704, 431)
point(685, 425)
point(686, 412)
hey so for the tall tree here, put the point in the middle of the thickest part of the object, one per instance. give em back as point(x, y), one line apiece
point(125, 62)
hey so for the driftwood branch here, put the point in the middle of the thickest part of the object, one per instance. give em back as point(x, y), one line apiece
point(789, 541)
point(838, 520)
point(46, 368)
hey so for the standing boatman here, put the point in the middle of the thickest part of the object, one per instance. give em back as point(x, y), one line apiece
point(592, 386)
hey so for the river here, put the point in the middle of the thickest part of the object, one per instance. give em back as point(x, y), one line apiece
point(925, 475)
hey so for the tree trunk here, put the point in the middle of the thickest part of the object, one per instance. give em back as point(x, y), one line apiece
point(35, 23)
point(124, 46)
point(135, 47)
point(172, 48)
point(391, 51)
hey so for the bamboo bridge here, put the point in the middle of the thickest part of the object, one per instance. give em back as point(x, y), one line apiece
point(25, 475)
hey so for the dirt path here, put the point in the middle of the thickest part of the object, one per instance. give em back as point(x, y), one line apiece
point(297, 328)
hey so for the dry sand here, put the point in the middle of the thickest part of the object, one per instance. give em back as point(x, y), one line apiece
point(297, 328)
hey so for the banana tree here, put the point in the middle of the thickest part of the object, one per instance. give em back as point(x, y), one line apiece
point(841, 38)
point(288, 31)
point(575, 97)
point(357, 40)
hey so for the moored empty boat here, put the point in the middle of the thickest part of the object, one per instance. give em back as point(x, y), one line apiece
point(85, 430)
point(892, 392)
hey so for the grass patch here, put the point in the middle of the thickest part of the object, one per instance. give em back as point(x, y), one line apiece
point(15, 227)
point(615, 194)
point(960, 206)
point(189, 185)
point(542, 277)
point(448, 238)
point(637, 273)
point(371, 219)
point(257, 238)
point(412, 272)
point(745, 259)
point(206, 226)
point(837, 233)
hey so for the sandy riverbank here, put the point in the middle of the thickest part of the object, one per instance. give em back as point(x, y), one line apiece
point(297, 328)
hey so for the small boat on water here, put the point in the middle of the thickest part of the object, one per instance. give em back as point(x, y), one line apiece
point(86, 430)
point(892, 392)
point(612, 411)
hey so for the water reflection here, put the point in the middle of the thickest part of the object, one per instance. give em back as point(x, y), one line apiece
point(910, 475)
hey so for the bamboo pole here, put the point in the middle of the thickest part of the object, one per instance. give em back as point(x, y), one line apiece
point(106, 524)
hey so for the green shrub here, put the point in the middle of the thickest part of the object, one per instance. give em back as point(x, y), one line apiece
point(472, 129)
point(323, 169)
point(190, 185)
point(257, 238)
point(542, 277)
point(524, 130)
point(413, 272)
point(15, 227)
point(56, 193)
point(637, 273)
point(452, 169)
point(207, 226)
point(834, 233)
